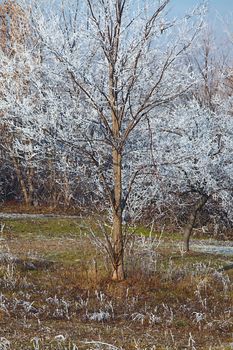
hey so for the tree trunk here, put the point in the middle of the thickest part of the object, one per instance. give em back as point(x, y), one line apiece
point(23, 186)
point(66, 190)
point(191, 221)
point(118, 244)
point(30, 175)
point(118, 263)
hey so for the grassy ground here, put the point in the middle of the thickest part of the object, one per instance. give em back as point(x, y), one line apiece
point(55, 292)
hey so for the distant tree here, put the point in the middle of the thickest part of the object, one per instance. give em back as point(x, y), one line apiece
point(210, 63)
point(15, 77)
point(195, 158)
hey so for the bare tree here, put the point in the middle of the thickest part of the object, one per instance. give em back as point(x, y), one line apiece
point(121, 64)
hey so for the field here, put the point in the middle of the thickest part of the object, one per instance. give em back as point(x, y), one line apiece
point(56, 291)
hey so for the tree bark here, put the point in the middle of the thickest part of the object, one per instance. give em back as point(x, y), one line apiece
point(118, 244)
point(23, 186)
point(30, 175)
point(191, 221)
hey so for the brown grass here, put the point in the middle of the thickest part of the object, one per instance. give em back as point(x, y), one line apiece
point(66, 282)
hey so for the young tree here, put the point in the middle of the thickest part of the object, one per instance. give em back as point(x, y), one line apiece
point(115, 63)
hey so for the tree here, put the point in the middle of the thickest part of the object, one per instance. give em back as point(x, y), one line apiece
point(115, 65)
point(17, 93)
point(195, 160)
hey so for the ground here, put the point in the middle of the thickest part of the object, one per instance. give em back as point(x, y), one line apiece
point(56, 291)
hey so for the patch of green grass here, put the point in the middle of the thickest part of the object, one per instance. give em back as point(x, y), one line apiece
point(46, 227)
point(147, 232)
point(59, 227)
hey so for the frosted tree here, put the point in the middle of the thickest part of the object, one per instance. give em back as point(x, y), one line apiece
point(19, 118)
point(102, 71)
point(195, 157)
point(24, 104)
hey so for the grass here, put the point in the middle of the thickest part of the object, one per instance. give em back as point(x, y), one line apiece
point(57, 283)
point(44, 227)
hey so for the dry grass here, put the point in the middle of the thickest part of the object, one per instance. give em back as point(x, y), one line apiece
point(59, 285)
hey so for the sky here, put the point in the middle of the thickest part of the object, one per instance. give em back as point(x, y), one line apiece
point(221, 7)
point(220, 15)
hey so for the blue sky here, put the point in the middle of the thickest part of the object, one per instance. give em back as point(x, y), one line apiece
point(222, 7)
point(219, 17)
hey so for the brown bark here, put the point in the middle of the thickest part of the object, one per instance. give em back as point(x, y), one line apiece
point(192, 219)
point(30, 175)
point(118, 246)
point(23, 186)
point(118, 263)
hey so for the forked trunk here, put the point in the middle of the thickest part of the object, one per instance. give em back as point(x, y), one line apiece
point(191, 221)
